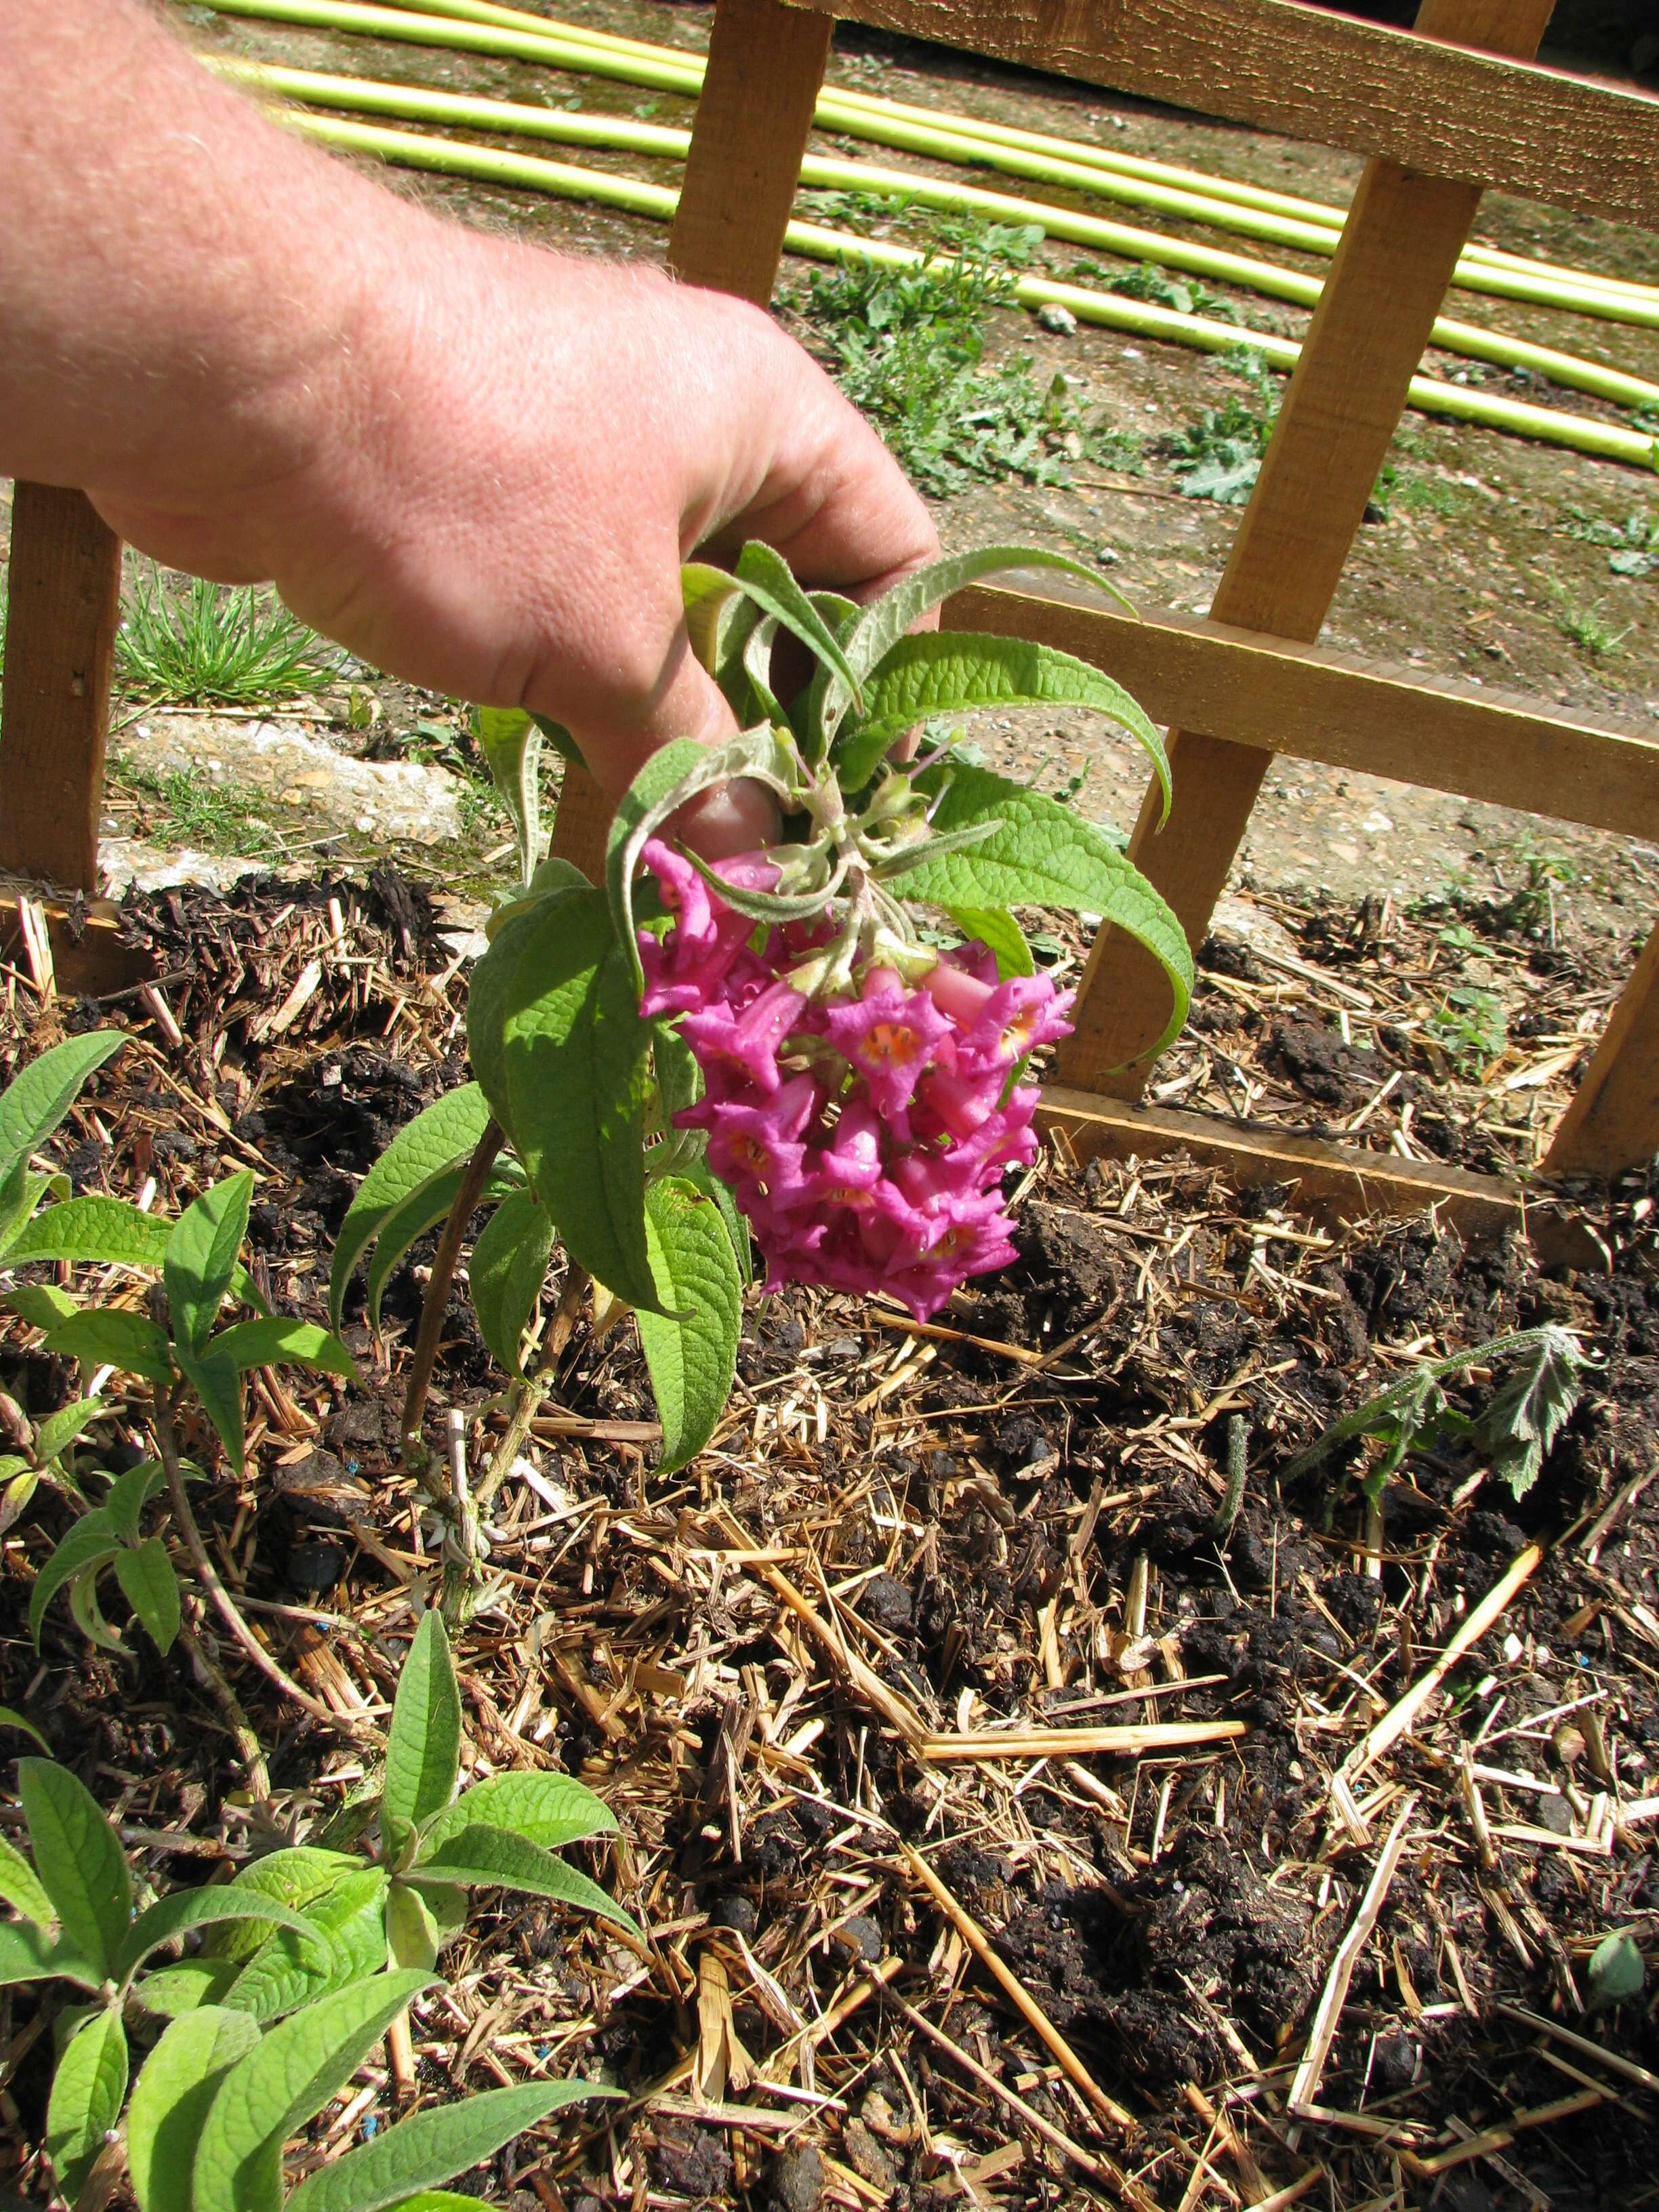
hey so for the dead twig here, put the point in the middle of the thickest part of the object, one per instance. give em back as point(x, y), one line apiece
point(1305, 2087)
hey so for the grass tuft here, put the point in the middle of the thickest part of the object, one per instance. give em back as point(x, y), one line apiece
point(204, 645)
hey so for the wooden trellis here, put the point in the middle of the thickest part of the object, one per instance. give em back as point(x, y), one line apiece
point(1440, 112)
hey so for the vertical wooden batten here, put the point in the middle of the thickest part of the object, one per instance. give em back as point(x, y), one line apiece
point(64, 587)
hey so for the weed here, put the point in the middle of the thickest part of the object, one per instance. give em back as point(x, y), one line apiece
point(1395, 494)
point(1633, 544)
point(192, 809)
point(205, 646)
point(1471, 1028)
point(1587, 627)
point(1218, 456)
point(859, 212)
point(1144, 279)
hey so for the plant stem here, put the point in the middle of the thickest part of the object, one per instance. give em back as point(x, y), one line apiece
point(241, 1728)
point(527, 1398)
point(444, 1263)
point(1238, 1446)
point(166, 1444)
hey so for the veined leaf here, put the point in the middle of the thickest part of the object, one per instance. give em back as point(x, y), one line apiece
point(1529, 1413)
point(28, 1954)
point(98, 1229)
point(952, 673)
point(423, 1743)
point(200, 1260)
point(170, 2100)
point(766, 577)
point(423, 1209)
point(480, 1858)
point(560, 740)
point(15, 1491)
point(412, 1934)
point(22, 1887)
point(151, 1589)
point(691, 1361)
point(175, 1915)
point(289, 2075)
point(21, 1193)
point(87, 2093)
point(90, 1543)
point(298, 1877)
point(78, 1859)
point(59, 1430)
point(128, 1495)
point(213, 1376)
point(36, 1102)
point(108, 1336)
point(270, 1343)
point(446, 1131)
point(42, 1305)
point(430, 2147)
point(184, 1987)
point(549, 1809)
point(1041, 853)
point(505, 1274)
point(511, 743)
point(553, 1023)
point(996, 928)
point(702, 1176)
point(351, 1920)
point(87, 1616)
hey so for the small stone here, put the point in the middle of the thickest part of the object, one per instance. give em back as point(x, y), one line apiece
point(797, 2180)
point(866, 2157)
point(1555, 1814)
point(1051, 316)
point(861, 1934)
point(737, 1913)
point(885, 1603)
point(313, 1568)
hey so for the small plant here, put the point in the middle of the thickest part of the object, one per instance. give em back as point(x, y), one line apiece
point(771, 1036)
point(1220, 456)
point(206, 646)
point(1587, 627)
point(1469, 1026)
point(312, 1955)
point(1632, 544)
point(1144, 279)
point(193, 810)
point(1513, 1435)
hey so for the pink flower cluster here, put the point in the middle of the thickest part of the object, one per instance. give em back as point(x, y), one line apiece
point(864, 1137)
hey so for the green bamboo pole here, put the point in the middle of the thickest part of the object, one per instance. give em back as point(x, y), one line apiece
point(625, 134)
point(664, 71)
point(534, 173)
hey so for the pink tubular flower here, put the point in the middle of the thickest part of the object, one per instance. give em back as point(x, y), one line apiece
point(864, 1136)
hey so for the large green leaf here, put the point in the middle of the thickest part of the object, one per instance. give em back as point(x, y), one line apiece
point(36, 1102)
point(511, 743)
point(298, 1876)
point(446, 1131)
point(170, 2100)
point(1041, 854)
point(692, 1360)
point(22, 1887)
point(217, 1382)
point(700, 1176)
point(41, 1305)
point(200, 1261)
point(955, 672)
point(78, 1859)
point(432, 2146)
point(423, 1744)
point(108, 1336)
point(87, 2093)
point(505, 1274)
point(185, 1986)
point(557, 1040)
point(996, 928)
point(885, 620)
point(28, 1955)
point(151, 1589)
point(101, 1228)
point(91, 1542)
point(481, 1857)
point(173, 1916)
point(60, 1429)
point(549, 1809)
point(270, 1343)
point(350, 1919)
point(289, 2075)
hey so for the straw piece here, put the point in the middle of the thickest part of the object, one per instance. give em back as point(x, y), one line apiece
point(1305, 2087)
point(1075, 1743)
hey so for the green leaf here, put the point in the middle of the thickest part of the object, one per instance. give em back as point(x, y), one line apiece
point(107, 1336)
point(447, 1130)
point(885, 620)
point(560, 740)
point(430, 2147)
point(1616, 1971)
point(286, 2078)
point(692, 1361)
point(218, 1385)
point(184, 1987)
point(42, 1305)
point(954, 673)
point(20, 1885)
point(424, 1209)
point(59, 1430)
point(177, 2083)
point(18, 1489)
point(506, 1273)
point(670, 777)
point(10, 1718)
point(1529, 1413)
point(96, 1229)
point(412, 1934)
point(151, 1589)
point(91, 1542)
point(21, 1193)
point(351, 1920)
point(1041, 854)
point(200, 1260)
point(298, 1877)
point(766, 577)
point(512, 746)
point(481, 1857)
point(28, 1954)
point(996, 928)
point(548, 1809)
point(270, 1343)
point(36, 1102)
point(175, 1915)
point(702, 1177)
point(85, 1612)
point(556, 1036)
point(423, 1744)
point(128, 1495)
point(86, 2094)
point(77, 1858)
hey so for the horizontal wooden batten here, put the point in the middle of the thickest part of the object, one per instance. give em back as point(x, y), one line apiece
point(1443, 110)
point(1329, 1183)
point(1317, 705)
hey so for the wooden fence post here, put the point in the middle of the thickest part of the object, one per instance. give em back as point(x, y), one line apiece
point(1399, 245)
point(1613, 1120)
point(64, 586)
